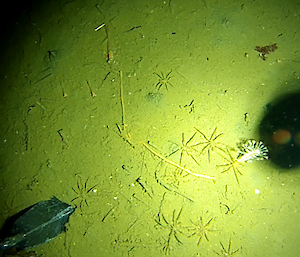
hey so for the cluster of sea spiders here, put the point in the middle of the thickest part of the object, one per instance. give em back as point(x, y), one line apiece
point(248, 151)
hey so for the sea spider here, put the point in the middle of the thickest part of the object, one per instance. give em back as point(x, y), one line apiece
point(185, 147)
point(163, 80)
point(82, 192)
point(174, 229)
point(232, 164)
point(210, 143)
point(200, 229)
point(227, 252)
point(173, 176)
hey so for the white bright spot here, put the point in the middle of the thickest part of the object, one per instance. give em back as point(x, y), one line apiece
point(256, 191)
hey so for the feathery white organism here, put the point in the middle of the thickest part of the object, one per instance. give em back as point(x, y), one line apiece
point(252, 150)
